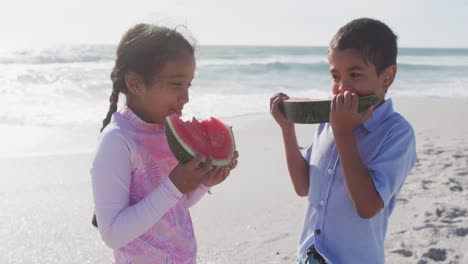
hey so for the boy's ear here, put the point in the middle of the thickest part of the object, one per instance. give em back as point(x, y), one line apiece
point(134, 83)
point(389, 76)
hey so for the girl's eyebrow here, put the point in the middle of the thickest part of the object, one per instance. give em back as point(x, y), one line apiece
point(173, 77)
point(177, 75)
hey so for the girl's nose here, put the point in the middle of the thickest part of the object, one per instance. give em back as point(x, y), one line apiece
point(184, 97)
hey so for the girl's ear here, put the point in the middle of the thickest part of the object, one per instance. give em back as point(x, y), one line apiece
point(389, 76)
point(134, 83)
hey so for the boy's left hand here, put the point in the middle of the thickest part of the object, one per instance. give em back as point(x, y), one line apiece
point(344, 115)
point(218, 175)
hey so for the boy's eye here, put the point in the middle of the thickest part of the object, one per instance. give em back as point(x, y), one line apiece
point(355, 75)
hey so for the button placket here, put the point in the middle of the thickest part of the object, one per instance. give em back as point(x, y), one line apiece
point(330, 171)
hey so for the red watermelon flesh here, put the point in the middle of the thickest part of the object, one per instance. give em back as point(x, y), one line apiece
point(219, 137)
point(211, 138)
point(193, 133)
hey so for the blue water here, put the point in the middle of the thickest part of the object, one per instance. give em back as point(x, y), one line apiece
point(70, 84)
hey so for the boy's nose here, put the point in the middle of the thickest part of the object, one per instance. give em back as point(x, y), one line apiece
point(344, 86)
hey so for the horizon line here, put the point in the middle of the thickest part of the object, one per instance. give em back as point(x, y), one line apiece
point(52, 44)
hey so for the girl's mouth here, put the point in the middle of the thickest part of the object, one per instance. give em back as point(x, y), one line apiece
point(176, 111)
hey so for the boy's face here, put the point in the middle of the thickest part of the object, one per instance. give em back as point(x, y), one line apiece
point(351, 73)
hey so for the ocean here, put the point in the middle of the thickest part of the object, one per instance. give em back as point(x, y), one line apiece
point(66, 87)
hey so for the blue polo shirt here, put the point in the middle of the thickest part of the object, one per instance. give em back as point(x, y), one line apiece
point(387, 147)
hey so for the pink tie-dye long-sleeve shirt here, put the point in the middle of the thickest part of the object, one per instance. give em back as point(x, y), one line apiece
point(140, 213)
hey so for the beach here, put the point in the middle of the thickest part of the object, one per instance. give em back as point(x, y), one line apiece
point(254, 216)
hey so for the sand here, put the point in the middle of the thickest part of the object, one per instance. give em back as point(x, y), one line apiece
point(255, 216)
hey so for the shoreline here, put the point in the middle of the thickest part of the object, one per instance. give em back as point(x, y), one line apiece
point(35, 140)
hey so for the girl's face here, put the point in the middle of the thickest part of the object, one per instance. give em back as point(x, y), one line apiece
point(168, 93)
point(351, 73)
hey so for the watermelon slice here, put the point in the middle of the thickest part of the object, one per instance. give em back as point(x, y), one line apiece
point(211, 138)
point(313, 111)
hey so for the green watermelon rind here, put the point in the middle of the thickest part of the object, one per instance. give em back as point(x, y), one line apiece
point(184, 153)
point(314, 112)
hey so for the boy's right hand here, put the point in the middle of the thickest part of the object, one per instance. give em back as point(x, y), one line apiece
point(188, 177)
point(275, 102)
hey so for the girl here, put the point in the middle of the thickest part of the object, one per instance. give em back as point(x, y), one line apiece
point(141, 193)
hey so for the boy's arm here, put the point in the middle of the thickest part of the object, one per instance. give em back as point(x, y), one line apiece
point(297, 165)
point(359, 182)
point(344, 117)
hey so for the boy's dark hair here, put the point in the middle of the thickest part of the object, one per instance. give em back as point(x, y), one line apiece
point(373, 40)
point(144, 49)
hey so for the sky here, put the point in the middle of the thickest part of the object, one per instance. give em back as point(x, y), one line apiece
point(418, 23)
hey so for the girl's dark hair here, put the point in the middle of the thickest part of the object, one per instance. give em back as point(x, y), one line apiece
point(374, 40)
point(144, 49)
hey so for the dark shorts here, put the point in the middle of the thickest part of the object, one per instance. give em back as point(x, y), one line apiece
point(313, 257)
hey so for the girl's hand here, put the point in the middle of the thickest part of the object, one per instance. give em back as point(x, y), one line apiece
point(275, 102)
point(344, 115)
point(188, 177)
point(218, 175)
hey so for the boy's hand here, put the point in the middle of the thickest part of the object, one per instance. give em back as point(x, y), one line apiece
point(188, 177)
point(344, 115)
point(218, 175)
point(275, 101)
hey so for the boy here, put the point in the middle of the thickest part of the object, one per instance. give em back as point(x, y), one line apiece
point(356, 166)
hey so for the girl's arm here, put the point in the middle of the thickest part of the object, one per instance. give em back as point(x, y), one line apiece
point(216, 176)
point(119, 223)
point(195, 196)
